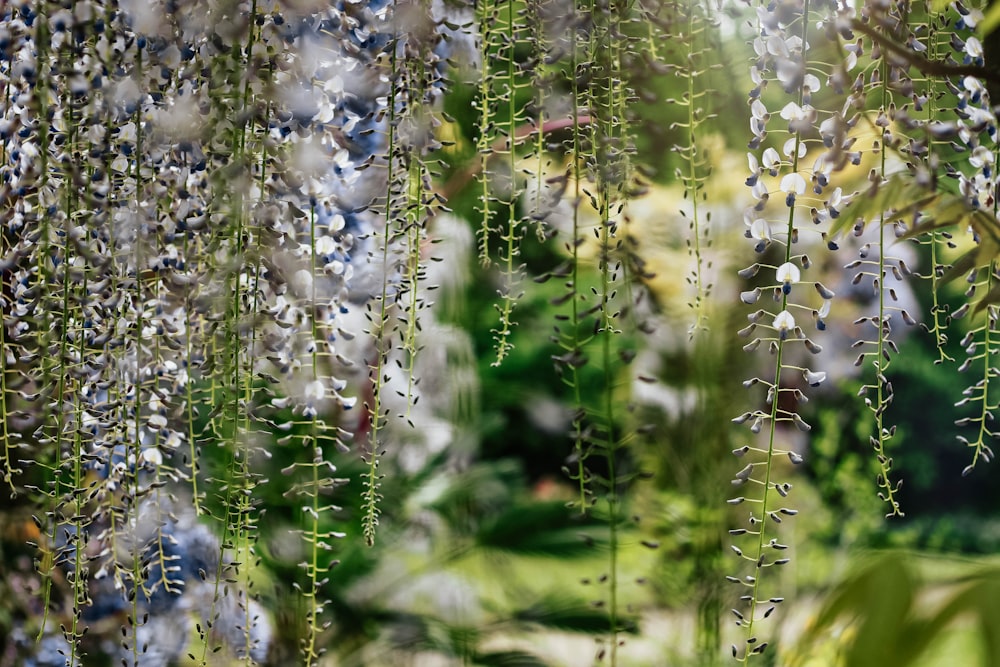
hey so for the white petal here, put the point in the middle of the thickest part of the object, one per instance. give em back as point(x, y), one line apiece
point(784, 321)
point(793, 183)
point(792, 111)
point(771, 158)
point(325, 245)
point(789, 147)
point(759, 190)
point(314, 391)
point(151, 456)
point(813, 378)
point(788, 273)
point(760, 230)
point(973, 47)
point(757, 109)
point(776, 46)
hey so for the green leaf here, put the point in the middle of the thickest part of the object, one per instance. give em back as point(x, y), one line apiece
point(558, 612)
point(508, 659)
point(542, 529)
point(991, 19)
point(880, 597)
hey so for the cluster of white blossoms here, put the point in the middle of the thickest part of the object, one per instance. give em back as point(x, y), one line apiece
point(880, 119)
point(187, 189)
point(198, 197)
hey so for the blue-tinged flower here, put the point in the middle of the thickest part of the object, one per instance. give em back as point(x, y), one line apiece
point(783, 323)
point(973, 51)
point(800, 118)
point(969, 18)
point(981, 157)
point(755, 170)
point(750, 296)
point(760, 194)
point(813, 378)
point(151, 456)
point(788, 273)
point(772, 161)
point(829, 129)
point(792, 185)
point(760, 231)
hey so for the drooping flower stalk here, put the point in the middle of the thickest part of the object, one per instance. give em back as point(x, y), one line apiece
point(782, 48)
point(977, 131)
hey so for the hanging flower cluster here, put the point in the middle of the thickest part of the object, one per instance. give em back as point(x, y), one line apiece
point(185, 200)
point(786, 300)
point(891, 121)
point(974, 132)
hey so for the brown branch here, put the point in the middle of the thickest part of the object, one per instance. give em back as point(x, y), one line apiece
point(925, 65)
point(462, 177)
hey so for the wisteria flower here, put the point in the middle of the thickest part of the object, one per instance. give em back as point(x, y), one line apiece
point(981, 158)
point(760, 231)
point(788, 274)
point(813, 378)
point(772, 161)
point(783, 323)
point(793, 147)
point(792, 185)
point(969, 17)
point(973, 51)
point(800, 118)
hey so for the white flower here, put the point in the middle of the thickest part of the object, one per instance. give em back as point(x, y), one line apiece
point(771, 161)
point(813, 378)
point(302, 283)
point(173, 440)
point(151, 456)
point(758, 110)
point(828, 130)
point(799, 118)
point(971, 18)
point(788, 273)
point(759, 191)
point(794, 44)
point(824, 310)
point(981, 156)
point(776, 46)
point(325, 245)
point(973, 85)
point(760, 230)
point(793, 184)
point(314, 391)
point(789, 147)
point(792, 111)
point(978, 116)
point(784, 322)
point(973, 48)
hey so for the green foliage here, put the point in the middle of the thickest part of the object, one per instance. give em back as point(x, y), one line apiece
point(888, 620)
